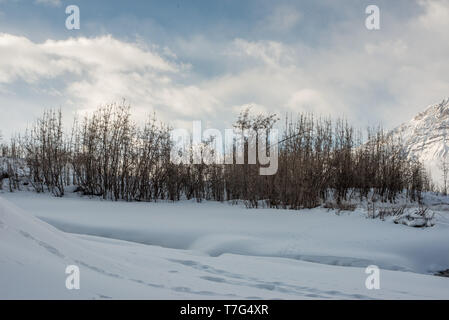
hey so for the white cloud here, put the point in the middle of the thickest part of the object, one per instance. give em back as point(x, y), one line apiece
point(271, 53)
point(385, 76)
point(436, 15)
point(108, 54)
point(254, 107)
point(365, 76)
point(22, 59)
point(308, 100)
point(95, 71)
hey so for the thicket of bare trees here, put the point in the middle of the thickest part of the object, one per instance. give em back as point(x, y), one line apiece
point(320, 160)
point(106, 154)
point(11, 164)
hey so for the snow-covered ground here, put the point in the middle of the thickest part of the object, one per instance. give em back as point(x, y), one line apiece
point(210, 250)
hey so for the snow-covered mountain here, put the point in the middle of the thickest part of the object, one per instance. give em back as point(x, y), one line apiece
point(426, 137)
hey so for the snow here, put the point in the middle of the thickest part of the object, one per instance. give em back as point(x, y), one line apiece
point(425, 137)
point(187, 250)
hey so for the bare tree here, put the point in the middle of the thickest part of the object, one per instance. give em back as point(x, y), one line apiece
point(444, 167)
point(106, 154)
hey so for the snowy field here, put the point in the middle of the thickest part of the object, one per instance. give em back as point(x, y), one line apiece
point(211, 250)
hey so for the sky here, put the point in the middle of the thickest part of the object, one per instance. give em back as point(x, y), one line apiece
point(207, 60)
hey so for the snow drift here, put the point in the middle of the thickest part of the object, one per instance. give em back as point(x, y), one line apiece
point(34, 255)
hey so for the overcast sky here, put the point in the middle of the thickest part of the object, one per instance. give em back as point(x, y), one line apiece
point(205, 60)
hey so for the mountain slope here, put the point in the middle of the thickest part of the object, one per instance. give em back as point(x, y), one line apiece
point(426, 137)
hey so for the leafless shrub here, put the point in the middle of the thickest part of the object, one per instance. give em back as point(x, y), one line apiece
point(342, 206)
point(320, 161)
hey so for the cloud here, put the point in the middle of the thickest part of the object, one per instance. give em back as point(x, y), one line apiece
point(54, 3)
point(383, 76)
point(283, 18)
point(367, 76)
point(101, 68)
point(87, 72)
point(270, 53)
point(22, 59)
point(436, 14)
point(254, 107)
point(308, 100)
